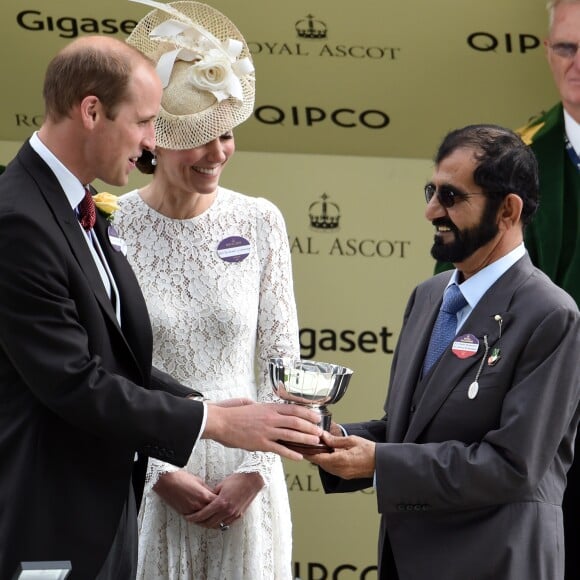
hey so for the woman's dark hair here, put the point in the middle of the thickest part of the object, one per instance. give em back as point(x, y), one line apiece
point(144, 163)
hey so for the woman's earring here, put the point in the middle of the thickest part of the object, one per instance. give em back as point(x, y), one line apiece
point(154, 160)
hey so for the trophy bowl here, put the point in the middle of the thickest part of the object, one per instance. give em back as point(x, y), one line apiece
point(312, 384)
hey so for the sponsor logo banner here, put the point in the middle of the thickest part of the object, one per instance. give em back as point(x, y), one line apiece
point(386, 79)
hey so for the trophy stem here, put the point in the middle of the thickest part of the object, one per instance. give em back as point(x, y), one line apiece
point(325, 421)
point(325, 417)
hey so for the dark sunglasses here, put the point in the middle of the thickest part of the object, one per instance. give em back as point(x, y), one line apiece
point(446, 194)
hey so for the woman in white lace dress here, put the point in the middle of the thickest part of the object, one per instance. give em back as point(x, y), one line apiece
point(215, 269)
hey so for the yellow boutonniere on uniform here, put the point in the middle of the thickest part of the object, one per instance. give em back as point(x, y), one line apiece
point(106, 203)
point(528, 132)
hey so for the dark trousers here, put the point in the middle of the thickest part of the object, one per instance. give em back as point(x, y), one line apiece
point(121, 562)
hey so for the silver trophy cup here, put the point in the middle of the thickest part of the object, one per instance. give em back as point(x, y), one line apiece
point(312, 384)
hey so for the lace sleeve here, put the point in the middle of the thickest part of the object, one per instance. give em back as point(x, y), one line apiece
point(277, 330)
point(155, 469)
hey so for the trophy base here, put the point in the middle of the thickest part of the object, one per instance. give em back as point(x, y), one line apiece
point(308, 449)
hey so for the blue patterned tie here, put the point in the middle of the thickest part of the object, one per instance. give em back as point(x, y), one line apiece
point(445, 326)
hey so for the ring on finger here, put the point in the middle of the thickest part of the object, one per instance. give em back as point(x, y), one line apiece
point(223, 527)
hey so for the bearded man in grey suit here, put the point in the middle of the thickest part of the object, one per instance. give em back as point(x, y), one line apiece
point(470, 458)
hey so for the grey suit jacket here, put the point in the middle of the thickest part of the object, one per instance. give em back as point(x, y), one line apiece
point(472, 488)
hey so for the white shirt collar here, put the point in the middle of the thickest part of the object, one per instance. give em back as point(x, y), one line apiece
point(477, 285)
point(72, 187)
point(572, 131)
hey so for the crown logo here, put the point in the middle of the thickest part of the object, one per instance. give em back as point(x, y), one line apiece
point(309, 27)
point(324, 215)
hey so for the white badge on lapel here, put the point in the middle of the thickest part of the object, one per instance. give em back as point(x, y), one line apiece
point(118, 243)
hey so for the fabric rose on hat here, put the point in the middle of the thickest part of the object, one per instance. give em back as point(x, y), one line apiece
point(213, 73)
point(215, 67)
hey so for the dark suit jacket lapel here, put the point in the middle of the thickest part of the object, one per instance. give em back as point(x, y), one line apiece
point(67, 221)
point(410, 354)
point(450, 369)
point(134, 314)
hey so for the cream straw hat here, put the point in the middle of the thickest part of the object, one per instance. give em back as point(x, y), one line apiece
point(206, 69)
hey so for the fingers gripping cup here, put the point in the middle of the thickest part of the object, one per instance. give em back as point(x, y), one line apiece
point(312, 384)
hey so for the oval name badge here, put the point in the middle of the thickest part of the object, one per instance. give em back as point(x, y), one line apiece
point(233, 249)
point(465, 346)
point(473, 390)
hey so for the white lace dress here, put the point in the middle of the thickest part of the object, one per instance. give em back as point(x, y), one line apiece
point(220, 296)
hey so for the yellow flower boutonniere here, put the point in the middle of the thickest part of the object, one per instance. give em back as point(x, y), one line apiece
point(106, 203)
point(528, 132)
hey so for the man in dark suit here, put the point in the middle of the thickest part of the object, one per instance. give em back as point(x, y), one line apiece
point(469, 461)
point(78, 395)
